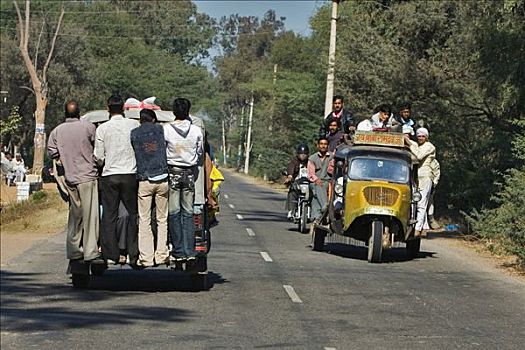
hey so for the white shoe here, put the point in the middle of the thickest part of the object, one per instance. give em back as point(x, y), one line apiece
point(289, 216)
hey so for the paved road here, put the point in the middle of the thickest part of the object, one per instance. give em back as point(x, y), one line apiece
point(268, 290)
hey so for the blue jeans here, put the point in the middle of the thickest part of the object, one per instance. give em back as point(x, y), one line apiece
point(180, 216)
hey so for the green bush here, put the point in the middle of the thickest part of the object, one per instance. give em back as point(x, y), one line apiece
point(505, 224)
point(39, 196)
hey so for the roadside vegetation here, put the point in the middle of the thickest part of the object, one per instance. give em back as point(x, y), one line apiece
point(460, 63)
point(26, 210)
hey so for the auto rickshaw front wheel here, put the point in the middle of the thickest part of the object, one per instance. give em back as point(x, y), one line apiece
point(413, 248)
point(375, 243)
point(318, 239)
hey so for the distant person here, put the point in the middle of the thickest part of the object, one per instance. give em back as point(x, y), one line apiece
point(71, 144)
point(345, 119)
point(118, 183)
point(185, 143)
point(19, 168)
point(425, 152)
point(149, 145)
point(7, 168)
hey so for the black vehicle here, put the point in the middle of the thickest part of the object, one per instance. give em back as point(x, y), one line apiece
point(82, 272)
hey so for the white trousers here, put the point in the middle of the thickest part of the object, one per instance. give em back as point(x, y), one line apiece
point(425, 186)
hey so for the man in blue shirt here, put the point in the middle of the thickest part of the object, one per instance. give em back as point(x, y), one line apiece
point(149, 145)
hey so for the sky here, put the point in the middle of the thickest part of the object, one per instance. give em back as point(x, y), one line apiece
point(297, 12)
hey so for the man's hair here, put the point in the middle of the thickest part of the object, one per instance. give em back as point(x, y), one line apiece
point(405, 105)
point(322, 138)
point(384, 108)
point(338, 97)
point(71, 109)
point(147, 116)
point(115, 104)
point(181, 107)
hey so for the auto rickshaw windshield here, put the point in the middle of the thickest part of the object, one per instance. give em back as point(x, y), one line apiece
point(391, 170)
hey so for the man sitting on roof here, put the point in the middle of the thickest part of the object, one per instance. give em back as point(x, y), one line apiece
point(381, 121)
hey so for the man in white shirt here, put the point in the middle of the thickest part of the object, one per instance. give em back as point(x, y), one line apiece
point(118, 182)
point(184, 149)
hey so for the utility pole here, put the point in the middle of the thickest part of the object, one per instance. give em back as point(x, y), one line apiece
point(224, 160)
point(331, 60)
point(249, 139)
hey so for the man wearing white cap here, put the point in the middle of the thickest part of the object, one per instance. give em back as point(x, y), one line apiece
point(425, 153)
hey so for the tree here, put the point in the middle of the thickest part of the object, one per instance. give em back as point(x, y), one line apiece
point(38, 80)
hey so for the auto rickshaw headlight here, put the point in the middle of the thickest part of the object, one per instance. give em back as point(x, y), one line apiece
point(416, 197)
point(338, 188)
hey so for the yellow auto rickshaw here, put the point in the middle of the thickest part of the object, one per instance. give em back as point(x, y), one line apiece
point(374, 196)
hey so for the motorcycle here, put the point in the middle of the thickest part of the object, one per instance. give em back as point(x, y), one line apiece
point(302, 211)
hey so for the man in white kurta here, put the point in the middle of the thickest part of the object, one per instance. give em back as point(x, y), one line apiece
point(425, 153)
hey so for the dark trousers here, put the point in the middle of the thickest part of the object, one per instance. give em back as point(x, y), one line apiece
point(113, 189)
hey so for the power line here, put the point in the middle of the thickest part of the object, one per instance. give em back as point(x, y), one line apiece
point(132, 37)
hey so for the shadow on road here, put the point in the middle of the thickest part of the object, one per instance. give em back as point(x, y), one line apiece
point(23, 296)
point(361, 253)
point(152, 281)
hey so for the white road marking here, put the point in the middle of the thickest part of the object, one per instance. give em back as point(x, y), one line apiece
point(231, 206)
point(250, 232)
point(266, 257)
point(292, 294)
point(239, 216)
point(330, 348)
point(226, 196)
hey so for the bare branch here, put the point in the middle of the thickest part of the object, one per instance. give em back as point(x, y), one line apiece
point(27, 88)
point(20, 25)
point(50, 55)
point(38, 43)
point(26, 26)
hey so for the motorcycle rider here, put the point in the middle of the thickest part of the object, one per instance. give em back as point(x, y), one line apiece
point(299, 161)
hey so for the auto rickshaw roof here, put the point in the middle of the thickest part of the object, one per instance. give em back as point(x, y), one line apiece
point(374, 151)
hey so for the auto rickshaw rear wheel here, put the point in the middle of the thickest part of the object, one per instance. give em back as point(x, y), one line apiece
point(413, 248)
point(80, 281)
point(318, 239)
point(375, 243)
point(199, 282)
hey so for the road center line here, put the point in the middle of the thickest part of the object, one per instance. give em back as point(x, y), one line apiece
point(250, 232)
point(231, 206)
point(226, 196)
point(292, 294)
point(266, 257)
point(239, 216)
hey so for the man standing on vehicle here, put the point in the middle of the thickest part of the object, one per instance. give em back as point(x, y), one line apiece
point(184, 150)
point(292, 171)
point(152, 173)
point(319, 177)
point(345, 119)
point(425, 152)
point(71, 143)
point(118, 182)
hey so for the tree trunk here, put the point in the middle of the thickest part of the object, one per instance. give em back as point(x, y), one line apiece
point(40, 133)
